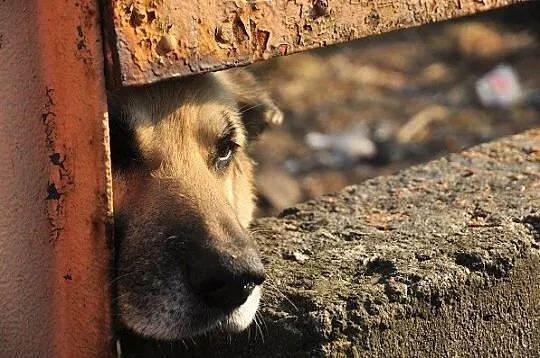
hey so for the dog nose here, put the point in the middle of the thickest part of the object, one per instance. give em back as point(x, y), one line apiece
point(223, 279)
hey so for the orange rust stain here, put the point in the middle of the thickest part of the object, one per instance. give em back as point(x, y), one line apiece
point(214, 34)
point(78, 188)
point(154, 35)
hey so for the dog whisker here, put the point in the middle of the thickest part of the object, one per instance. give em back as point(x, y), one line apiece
point(262, 321)
point(254, 328)
point(269, 282)
point(118, 277)
point(245, 109)
point(260, 231)
point(118, 297)
point(258, 328)
point(183, 341)
point(160, 347)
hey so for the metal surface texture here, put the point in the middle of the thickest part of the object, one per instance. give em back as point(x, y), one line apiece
point(148, 40)
point(55, 181)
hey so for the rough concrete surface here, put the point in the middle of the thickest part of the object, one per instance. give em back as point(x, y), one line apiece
point(440, 260)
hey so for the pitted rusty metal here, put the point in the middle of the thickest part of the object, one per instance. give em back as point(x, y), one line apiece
point(150, 40)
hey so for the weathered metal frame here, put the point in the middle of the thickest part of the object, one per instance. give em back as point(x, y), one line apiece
point(150, 40)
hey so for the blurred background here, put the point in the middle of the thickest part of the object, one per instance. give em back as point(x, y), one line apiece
point(374, 106)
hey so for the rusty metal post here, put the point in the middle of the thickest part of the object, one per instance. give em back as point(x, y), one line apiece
point(54, 182)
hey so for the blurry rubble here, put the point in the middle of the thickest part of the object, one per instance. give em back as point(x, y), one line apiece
point(277, 187)
point(344, 148)
point(533, 99)
point(482, 41)
point(374, 106)
point(416, 129)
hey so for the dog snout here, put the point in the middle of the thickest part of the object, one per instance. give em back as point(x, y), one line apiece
point(225, 279)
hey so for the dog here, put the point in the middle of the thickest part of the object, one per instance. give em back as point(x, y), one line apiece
point(183, 200)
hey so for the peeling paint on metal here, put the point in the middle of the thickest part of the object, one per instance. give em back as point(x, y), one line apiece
point(155, 39)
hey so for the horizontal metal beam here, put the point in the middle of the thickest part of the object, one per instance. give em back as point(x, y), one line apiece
point(150, 40)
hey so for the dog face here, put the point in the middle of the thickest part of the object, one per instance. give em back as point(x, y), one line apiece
point(183, 198)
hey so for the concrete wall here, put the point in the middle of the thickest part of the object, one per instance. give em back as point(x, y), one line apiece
point(439, 260)
point(54, 296)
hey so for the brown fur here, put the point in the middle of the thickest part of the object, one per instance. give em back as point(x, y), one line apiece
point(178, 214)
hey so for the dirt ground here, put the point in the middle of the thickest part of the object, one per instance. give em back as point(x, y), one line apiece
point(373, 106)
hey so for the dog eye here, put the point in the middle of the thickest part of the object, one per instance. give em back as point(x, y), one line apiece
point(225, 154)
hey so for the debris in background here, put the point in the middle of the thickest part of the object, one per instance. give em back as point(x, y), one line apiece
point(278, 188)
point(500, 87)
point(388, 150)
point(369, 75)
point(323, 182)
point(533, 99)
point(484, 42)
point(416, 129)
point(292, 165)
point(342, 148)
point(478, 41)
point(413, 91)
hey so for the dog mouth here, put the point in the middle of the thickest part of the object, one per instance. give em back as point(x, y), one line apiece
point(172, 297)
point(173, 320)
point(232, 321)
point(241, 317)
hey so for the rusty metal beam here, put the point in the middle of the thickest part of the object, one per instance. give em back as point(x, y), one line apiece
point(148, 40)
point(55, 182)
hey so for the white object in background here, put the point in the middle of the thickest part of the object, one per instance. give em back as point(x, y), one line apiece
point(499, 87)
point(351, 145)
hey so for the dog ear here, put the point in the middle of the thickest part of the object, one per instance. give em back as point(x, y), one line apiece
point(256, 107)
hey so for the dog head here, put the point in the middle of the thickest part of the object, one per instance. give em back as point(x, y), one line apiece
point(183, 198)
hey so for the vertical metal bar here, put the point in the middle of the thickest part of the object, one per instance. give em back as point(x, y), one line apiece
point(54, 253)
